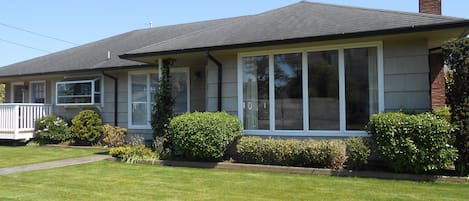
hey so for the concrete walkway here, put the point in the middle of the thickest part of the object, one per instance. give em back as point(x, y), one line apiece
point(53, 164)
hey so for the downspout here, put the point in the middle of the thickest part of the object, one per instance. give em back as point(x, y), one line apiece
point(115, 96)
point(220, 79)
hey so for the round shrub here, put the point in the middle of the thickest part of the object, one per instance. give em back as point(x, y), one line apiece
point(87, 127)
point(203, 135)
point(413, 143)
point(114, 136)
point(51, 129)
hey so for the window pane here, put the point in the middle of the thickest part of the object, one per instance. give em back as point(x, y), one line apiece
point(139, 99)
point(323, 90)
point(154, 84)
point(74, 93)
point(288, 92)
point(361, 86)
point(179, 91)
point(256, 92)
point(18, 93)
point(38, 90)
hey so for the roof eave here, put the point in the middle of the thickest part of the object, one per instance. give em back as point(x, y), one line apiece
point(401, 30)
point(78, 71)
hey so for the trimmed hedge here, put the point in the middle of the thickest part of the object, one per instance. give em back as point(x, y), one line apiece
point(413, 143)
point(290, 152)
point(203, 135)
point(358, 152)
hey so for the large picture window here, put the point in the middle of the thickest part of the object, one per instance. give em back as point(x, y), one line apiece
point(327, 92)
point(143, 88)
point(78, 92)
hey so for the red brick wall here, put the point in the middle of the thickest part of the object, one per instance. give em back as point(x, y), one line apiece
point(437, 80)
point(430, 6)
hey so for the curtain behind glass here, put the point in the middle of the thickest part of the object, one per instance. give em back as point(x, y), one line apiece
point(256, 92)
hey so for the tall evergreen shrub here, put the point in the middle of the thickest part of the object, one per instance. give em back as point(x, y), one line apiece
point(163, 108)
point(457, 59)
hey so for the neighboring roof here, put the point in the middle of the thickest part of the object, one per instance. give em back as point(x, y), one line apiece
point(93, 56)
point(303, 21)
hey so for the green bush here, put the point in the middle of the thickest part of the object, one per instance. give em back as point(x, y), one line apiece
point(443, 112)
point(306, 153)
point(119, 152)
point(358, 152)
point(203, 135)
point(413, 143)
point(87, 127)
point(114, 136)
point(51, 129)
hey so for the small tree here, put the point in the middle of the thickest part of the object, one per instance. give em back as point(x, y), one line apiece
point(163, 108)
point(457, 58)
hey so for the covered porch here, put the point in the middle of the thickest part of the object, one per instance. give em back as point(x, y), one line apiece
point(17, 119)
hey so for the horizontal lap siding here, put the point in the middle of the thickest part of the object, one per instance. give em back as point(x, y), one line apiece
point(229, 88)
point(406, 71)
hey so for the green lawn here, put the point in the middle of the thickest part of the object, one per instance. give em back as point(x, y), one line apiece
point(21, 155)
point(107, 180)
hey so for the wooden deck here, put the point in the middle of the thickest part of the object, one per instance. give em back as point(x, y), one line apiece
point(17, 119)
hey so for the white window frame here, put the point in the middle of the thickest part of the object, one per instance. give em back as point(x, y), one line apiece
point(31, 90)
point(92, 81)
point(305, 132)
point(147, 73)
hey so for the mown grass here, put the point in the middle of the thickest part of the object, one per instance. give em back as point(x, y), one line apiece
point(22, 155)
point(107, 180)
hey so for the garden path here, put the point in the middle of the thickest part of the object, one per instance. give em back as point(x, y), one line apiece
point(53, 164)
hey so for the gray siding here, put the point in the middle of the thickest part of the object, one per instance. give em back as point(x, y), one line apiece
point(229, 84)
point(406, 75)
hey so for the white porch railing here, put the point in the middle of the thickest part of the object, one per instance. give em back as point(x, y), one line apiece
point(17, 119)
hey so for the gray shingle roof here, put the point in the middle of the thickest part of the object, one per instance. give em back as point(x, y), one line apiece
point(94, 55)
point(303, 20)
point(300, 20)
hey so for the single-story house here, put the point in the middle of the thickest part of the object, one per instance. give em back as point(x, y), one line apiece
point(304, 70)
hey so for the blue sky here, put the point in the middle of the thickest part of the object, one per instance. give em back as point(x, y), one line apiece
point(84, 21)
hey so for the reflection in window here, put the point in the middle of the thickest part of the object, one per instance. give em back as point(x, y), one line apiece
point(256, 92)
point(361, 86)
point(323, 90)
point(78, 92)
point(144, 88)
point(288, 91)
point(38, 92)
point(139, 100)
point(179, 91)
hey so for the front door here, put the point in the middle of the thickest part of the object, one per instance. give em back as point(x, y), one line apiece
point(18, 93)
